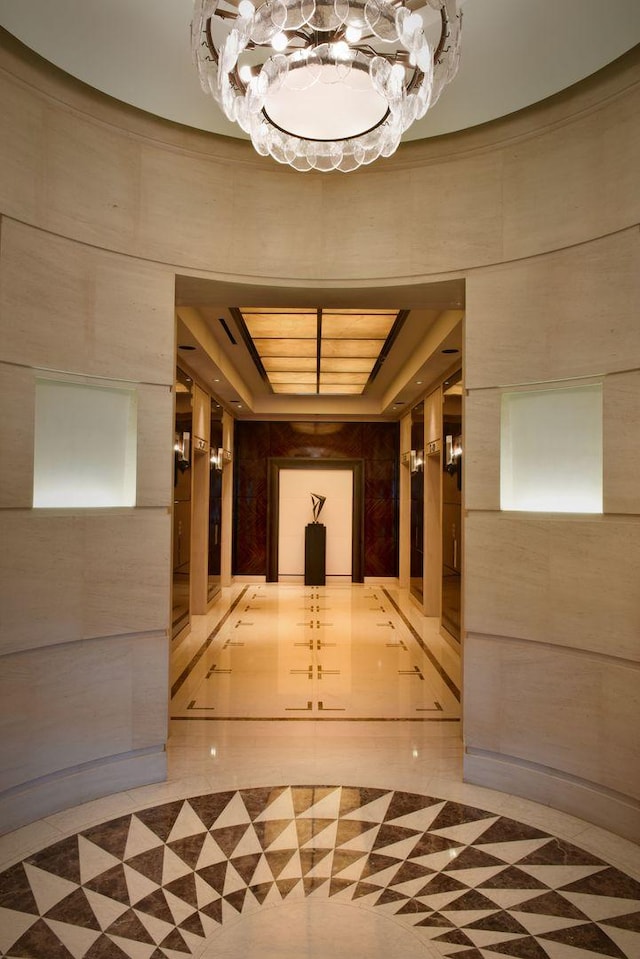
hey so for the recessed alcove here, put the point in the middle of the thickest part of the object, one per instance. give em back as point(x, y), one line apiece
point(85, 445)
point(551, 450)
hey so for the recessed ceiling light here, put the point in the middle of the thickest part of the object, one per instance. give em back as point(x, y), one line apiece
point(450, 351)
point(216, 381)
point(186, 346)
point(418, 382)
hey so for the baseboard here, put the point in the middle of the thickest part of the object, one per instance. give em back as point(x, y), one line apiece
point(249, 579)
point(50, 794)
point(382, 581)
point(589, 801)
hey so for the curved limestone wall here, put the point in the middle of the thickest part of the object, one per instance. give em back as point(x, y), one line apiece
point(102, 206)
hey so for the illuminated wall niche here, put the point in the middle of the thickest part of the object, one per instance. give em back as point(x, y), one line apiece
point(551, 450)
point(85, 445)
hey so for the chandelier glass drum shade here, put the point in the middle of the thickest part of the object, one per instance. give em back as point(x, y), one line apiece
point(325, 84)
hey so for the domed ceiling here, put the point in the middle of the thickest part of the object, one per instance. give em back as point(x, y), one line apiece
point(514, 53)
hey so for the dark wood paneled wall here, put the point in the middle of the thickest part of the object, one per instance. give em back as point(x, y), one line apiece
point(377, 444)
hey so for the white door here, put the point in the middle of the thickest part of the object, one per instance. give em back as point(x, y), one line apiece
point(295, 511)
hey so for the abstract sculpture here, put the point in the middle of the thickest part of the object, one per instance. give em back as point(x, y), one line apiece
point(317, 501)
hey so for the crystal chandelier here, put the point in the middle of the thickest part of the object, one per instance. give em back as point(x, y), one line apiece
point(325, 84)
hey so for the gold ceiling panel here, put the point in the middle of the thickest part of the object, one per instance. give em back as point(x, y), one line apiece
point(273, 364)
point(349, 364)
point(357, 326)
point(326, 378)
point(294, 388)
point(292, 346)
point(336, 389)
point(285, 347)
point(351, 348)
point(292, 378)
point(282, 325)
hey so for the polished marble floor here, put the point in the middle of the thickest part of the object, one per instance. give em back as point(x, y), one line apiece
point(314, 809)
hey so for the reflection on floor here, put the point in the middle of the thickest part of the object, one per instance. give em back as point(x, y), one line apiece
point(319, 652)
point(384, 853)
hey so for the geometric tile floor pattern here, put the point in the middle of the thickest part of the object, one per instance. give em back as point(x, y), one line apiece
point(160, 883)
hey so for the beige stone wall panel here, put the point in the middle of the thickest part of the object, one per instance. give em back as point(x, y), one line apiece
point(68, 577)
point(22, 149)
point(621, 416)
point(577, 180)
point(79, 703)
point(553, 707)
point(481, 460)
point(17, 402)
point(558, 173)
point(155, 463)
point(568, 314)
point(65, 306)
point(566, 581)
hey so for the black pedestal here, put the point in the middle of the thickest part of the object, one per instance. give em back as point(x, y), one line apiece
point(315, 548)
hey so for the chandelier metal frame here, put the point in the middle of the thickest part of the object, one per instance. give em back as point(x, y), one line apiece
point(290, 45)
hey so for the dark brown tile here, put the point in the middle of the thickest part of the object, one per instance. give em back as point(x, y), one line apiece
point(111, 836)
point(128, 926)
point(471, 858)
point(214, 875)
point(556, 852)
point(389, 834)
point(39, 942)
point(155, 904)
point(257, 800)
point(188, 849)
point(228, 837)
point(512, 878)
point(588, 937)
point(498, 922)
point(508, 830)
point(630, 922)
point(607, 882)
point(161, 819)
point(61, 859)
point(404, 803)
point(149, 863)
point(246, 866)
point(208, 808)
point(455, 814)
point(551, 904)
point(15, 891)
point(75, 910)
point(184, 888)
point(112, 884)
point(526, 948)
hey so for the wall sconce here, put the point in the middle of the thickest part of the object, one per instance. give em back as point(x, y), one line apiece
point(182, 448)
point(453, 453)
point(413, 460)
point(220, 458)
point(453, 458)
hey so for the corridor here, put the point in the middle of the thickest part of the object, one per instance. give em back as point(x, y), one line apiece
point(315, 808)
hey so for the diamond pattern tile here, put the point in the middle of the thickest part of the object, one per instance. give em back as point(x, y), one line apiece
point(160, 882)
